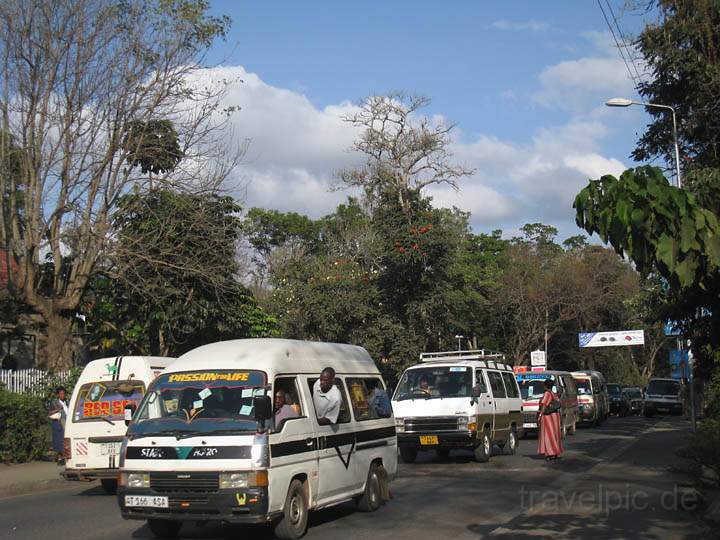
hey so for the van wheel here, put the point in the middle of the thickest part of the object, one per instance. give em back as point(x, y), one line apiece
point(293, 524)
point(164, 528)
point(372, 497)
point(109, 485)
point(482, 452)
point(512, 442)
point(408, 455)
point(573, 427)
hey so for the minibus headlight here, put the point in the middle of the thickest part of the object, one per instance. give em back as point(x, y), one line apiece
point(235, 480)
point(462, 422)
point(399, 424)
point(135, 480)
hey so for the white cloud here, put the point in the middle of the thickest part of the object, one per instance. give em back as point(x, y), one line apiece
point(534, 26)
point(296, 148)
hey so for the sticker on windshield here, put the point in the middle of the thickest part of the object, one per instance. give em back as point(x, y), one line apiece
point(198, 404)
point(245, 410)
point(458, 369)
point(208, 376)
point(204, 393)
point(246, 393)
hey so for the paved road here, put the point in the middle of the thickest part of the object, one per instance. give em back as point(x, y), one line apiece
point(453, 498)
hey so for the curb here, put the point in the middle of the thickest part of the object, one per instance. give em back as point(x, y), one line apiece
point(25, 488)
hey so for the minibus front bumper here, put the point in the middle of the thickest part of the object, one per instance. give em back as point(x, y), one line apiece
point(246, 505)
point(86, 475)
point(437, 439)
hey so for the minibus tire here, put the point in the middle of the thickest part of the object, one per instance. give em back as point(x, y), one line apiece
point(510, 446)
point(163, 528)
point(573, 427)
point(293, 524)
point(109, 485)
point(483, 451)
point(372, 497)
point(408, 455)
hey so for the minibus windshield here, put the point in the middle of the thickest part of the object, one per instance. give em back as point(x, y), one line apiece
point(583, 386)
point(106, 400)
point(435, 382)
point(531, 388)
point(663, 388)
point(199, 402)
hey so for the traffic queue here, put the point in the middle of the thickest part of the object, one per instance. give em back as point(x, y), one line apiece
point(268, 430)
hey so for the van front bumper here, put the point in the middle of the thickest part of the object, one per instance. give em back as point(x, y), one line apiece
point(246, 505)
point(446, 439)
point(87, 475)
point(662, 406)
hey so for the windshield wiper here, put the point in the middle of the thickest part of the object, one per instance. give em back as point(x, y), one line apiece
point(107, 420)
point(213, 432)
point(177, 433)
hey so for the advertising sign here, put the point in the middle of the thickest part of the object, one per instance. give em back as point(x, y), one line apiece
point(612, 339)
point(537, 358)
point(679, 364)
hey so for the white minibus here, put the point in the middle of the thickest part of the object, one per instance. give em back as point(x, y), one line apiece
point(204, 444)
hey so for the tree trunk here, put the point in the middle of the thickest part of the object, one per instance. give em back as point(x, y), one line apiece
point(58, 351)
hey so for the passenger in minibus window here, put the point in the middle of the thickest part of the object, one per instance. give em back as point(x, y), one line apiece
point(327, 398)
point(283, 411)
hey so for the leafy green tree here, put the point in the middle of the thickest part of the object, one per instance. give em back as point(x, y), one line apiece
point(172, 283)
point(153, 146)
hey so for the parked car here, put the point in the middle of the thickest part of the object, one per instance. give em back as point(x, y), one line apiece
point(619, 402)
point(592, 396)
point(662, 396)
point(531, 389)
point(635, 396)
point(457, 399)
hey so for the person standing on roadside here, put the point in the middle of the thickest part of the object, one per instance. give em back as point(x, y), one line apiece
point(58, 412)
point(327, 398)
point(549, 438)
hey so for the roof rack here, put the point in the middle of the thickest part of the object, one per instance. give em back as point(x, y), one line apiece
point(451, 356)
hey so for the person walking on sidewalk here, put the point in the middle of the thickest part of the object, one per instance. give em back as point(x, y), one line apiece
point(57, 413)
point(549, 438)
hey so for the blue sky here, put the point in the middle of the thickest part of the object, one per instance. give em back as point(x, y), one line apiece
point(524, 81)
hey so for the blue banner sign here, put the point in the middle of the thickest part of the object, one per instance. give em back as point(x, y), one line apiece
point(679, 364)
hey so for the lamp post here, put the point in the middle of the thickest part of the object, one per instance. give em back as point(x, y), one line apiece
point(459, 338)
point(623, 102)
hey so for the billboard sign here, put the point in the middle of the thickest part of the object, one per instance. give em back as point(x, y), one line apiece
point(679, 364)
point(537, 358)
point(611, 339)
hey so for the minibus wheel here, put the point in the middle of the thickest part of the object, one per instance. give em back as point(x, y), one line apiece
point(510, 446)
point(372, 497)
point(482, 452)
point(293, 524)
point(164, 528)
point(109, 485)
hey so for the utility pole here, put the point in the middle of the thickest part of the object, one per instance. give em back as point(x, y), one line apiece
point(546, 337)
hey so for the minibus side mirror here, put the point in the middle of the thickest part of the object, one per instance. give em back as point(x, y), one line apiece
point(263, 408)
point(129, 411)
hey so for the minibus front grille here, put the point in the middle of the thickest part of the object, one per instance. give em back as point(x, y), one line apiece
point(184, 482)
point(431, 423)
point(530, 417)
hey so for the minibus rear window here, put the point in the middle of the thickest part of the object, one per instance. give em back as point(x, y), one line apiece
point(106, 400)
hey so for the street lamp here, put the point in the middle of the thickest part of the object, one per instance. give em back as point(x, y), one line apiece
point(459, 338)
point(624, 102)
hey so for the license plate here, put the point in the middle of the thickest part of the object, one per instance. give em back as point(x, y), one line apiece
point(146, 501)
point(428, 439)
point(529, 425)
point(109, 449)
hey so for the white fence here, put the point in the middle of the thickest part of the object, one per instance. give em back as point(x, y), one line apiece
point(26, 381)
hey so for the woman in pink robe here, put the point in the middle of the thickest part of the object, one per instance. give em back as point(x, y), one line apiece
point(549, 438)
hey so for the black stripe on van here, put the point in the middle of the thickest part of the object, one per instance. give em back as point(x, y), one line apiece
point(363, 438)
point(188, 452)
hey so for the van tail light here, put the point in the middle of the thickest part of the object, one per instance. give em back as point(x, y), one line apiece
point(67, 448)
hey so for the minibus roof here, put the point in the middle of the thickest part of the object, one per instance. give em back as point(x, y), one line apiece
point(277, 356)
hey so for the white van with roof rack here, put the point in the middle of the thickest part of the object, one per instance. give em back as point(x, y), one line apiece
point(457, 400)
point(206, 445)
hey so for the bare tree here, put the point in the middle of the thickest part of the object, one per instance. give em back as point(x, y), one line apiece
point(406, 152)
point(76, 79)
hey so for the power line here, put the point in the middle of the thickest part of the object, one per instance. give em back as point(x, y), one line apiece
point(620, 49)
point(624, 41)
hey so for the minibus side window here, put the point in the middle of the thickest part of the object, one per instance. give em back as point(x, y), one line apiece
point(344, 416)
point(368, 398)
point(510, 385)
point(480, 381)
point(292, 397)
point(498, 390)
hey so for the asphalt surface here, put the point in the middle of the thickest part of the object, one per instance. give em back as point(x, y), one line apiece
point(434, 498)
